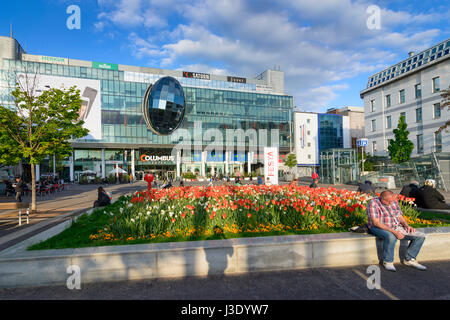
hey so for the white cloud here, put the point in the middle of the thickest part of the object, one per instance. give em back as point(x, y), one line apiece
point(315, 42)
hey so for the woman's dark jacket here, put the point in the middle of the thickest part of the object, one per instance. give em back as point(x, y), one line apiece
point(430, 198)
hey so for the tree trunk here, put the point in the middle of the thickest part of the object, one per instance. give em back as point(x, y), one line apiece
point(33, 188)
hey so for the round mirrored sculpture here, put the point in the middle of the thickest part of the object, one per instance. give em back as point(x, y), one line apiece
point(164, 106)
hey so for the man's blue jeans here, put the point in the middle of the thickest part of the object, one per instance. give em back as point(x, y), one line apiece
point(389, 241)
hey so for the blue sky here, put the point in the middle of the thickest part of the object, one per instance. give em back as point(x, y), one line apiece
point(324, 47)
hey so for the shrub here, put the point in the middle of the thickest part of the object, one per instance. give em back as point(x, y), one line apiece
point(189, 176)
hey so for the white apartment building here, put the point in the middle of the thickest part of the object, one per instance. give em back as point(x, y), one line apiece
point(316, 132)
point(411, 88)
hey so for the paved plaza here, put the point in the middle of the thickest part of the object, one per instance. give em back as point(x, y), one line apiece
point(55, 208)
point(307, 284)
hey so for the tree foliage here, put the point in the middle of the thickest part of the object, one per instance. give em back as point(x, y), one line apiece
point(41, 124)
point(445, 94)
point(291, 160)
point(401, 147)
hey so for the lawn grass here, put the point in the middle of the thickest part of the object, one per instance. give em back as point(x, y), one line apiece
point(77, 235)
point(434, 216)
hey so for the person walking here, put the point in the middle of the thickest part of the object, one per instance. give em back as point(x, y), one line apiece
point(260, 180)
point(385, 220)
point(314, 184)
point(18, 187)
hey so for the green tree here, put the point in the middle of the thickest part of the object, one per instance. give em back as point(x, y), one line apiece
point(401, 147)
point(41, 124)
point(445, 94)
point(291, 160)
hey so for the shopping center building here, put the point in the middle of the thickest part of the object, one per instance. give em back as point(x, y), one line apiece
point(120, 135)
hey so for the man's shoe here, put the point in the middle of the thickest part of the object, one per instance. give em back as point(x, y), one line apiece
point(389, 266)
point(413, 263)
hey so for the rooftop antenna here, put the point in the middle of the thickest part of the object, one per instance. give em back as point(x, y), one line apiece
point(10, 29)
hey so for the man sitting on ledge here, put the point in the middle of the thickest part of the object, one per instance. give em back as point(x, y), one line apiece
point(385, 220)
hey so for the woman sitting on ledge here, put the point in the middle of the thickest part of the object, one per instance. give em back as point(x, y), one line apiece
point(103, 198)
point(429, 198)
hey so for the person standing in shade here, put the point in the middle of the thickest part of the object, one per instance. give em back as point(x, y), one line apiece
point(385, 220)
point(18, 186)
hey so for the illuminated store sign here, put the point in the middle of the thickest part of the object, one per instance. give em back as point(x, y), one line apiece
point(103, 65)
point(54, 60)
point(147, 158)
point(196, 75)
point(236, 79)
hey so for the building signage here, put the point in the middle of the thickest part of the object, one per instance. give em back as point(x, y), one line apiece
point(264, 88)
point(90, 94)
point(54, 60)
point(271, 164)
point(196, 75)
point(236, 79)
point(103, 65)
point(302, 135)
point(147, 158)
point(362, 142)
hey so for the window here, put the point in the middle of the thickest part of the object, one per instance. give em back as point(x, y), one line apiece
point(308, 120)
point(388, 142)
point(436, 85)
point(403, 114)
point(419, 143)
point(374, 125)
point(438, 141)
point(402, 96)
point(418, 90)
point(388, 101)
point(437, 110)
point(419, 115)
point(374, 147)
point(388, 122)
point(372, 106)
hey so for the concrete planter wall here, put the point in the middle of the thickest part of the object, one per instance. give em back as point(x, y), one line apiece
point(146, 261)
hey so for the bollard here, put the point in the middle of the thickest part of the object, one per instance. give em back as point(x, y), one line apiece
point(20, 218)
point(28, 216)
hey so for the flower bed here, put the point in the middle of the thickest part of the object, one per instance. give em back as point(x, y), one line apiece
point(195, 213)
point(190, 211)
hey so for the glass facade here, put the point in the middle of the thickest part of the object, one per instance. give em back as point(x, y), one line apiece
point(121, 105)
point(331, 131)
point(338, 166)
point(216, 104)
point(164, 106)
point(412, 63)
